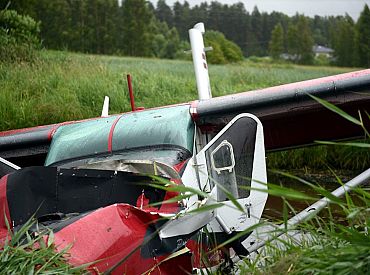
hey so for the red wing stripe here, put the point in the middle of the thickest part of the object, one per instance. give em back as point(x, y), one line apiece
point(52, 132)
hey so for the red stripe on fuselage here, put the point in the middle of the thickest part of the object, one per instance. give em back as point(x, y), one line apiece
point(110, 136)
point(25, 130)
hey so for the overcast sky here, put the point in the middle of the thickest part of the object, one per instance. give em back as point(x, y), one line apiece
point(290, 7)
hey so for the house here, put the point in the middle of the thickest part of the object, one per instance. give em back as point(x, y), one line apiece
point(319, 50)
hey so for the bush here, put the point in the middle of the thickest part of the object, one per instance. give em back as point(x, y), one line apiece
point(19, 36)
point(224, 51)
point(322, 60)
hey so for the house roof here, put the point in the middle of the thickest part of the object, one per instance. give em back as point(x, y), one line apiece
point(322, 49)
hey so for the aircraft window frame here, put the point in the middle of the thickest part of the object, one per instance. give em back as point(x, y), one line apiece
point(232, 157)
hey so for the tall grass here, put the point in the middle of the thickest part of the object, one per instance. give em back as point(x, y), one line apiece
point(336, 244)
point(320, 157)
point(27, 253)
point(62, 86)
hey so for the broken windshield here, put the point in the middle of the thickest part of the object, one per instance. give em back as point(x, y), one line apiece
point(170, 155)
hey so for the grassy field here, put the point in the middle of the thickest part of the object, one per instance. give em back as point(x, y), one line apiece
point(63, 86)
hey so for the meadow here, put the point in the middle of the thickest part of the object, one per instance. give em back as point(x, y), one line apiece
point(61, 86)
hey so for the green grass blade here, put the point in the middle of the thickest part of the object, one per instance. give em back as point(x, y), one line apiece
point(336, 110)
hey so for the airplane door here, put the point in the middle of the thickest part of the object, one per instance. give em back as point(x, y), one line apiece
point(234, 160)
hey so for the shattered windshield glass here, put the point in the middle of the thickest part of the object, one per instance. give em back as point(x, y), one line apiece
point(169, 155)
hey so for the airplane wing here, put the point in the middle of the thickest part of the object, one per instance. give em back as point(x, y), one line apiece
point(289, 115)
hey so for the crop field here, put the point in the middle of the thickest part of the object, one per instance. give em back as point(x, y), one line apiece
point(62, 86)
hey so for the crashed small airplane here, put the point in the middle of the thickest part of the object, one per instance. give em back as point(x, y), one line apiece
point(96, 183)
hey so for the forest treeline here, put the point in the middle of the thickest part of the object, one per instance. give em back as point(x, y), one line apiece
point(139, 28)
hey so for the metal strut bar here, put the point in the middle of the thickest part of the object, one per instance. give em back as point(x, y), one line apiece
point(7, 167)
point(314, 209)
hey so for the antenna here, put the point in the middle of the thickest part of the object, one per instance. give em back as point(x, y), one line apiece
point(200, 62)
point(131, 92)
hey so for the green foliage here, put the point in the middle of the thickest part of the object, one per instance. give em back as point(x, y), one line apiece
point(322, 60)
point(344, 42)
point(363, 38)
point(164, 13)
point(255, 37)
point(165, 42)
point(292, 42)
point(27, 254)
point(300, 41)
point(276, 45)
point(305, 41)
point(19, 39)
point(136, 28)
point(317, 157)
point(224, 51)
point(105, 27)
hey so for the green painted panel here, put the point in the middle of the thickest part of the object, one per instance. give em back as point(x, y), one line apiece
point(164, 126)
point(80, 139)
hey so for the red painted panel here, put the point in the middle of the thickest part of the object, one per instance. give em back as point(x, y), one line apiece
point(110, 234)
point(4, 211)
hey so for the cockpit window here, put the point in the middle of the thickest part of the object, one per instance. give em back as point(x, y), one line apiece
point(230, 159)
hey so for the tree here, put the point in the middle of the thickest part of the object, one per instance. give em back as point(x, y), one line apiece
point(255, 38)
point(136, 28)
point(100, 21)
point(363, 38)
point(305, 41)
point(216, 16)
point(23, 7)
point(199, 13)
point(292, 42)
point(224, 51)
point(276, 45)
point(164, 13)
point(55, 17)
point(344, 42)
point(19, 36)
point(181, 16)
point(300, 41)
point(165, 42)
